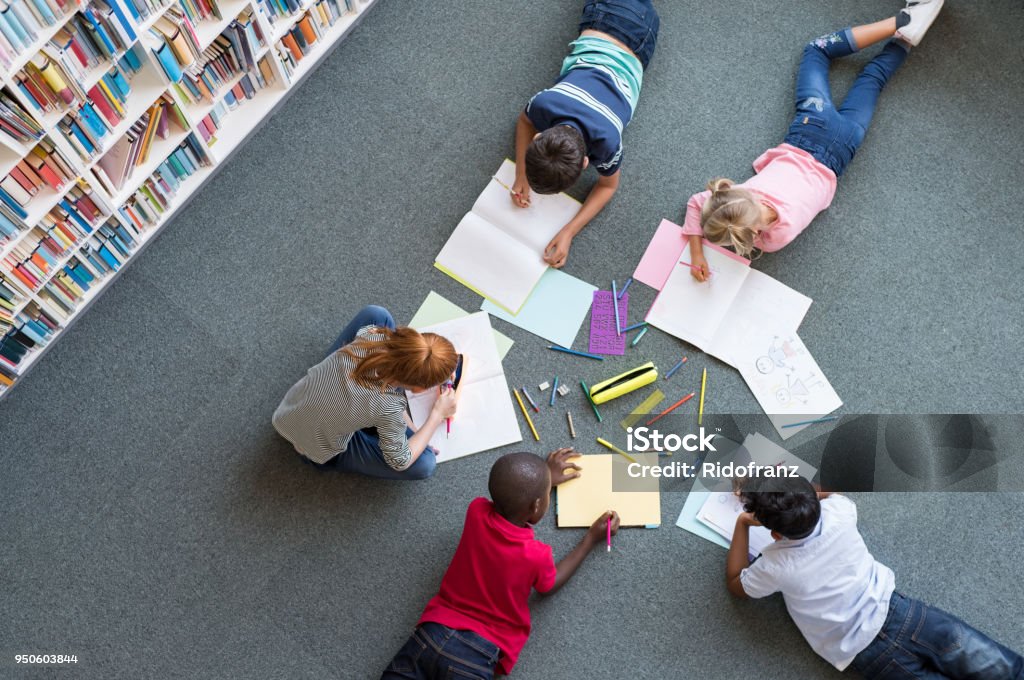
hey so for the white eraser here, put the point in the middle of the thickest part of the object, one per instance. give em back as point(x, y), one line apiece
point(563, 390)
point(543, 386)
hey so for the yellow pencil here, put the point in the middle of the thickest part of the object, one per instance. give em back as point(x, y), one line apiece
point(703, 384)
point(507, 187)
point(609, 445)
point(526, 414)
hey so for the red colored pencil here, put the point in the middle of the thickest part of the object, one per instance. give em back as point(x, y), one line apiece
point(671, 408)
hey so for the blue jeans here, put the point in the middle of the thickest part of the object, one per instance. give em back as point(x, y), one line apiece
point(363, 454)
point(829, 134)
point(634, 23)
point(918, 641)
point(436, 651)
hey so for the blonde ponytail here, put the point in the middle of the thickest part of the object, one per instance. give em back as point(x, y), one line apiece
point(731, 216)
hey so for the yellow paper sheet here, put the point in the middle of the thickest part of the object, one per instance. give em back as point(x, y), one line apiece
point(582, 500)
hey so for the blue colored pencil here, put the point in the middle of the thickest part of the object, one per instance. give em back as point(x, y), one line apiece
point(811, 422)
point(637, 338)
point(615, 306)
point(675, 368)
point(634, 327)
point(530, 399)
point(628, 281)
point(554, 391)
point(588, 355)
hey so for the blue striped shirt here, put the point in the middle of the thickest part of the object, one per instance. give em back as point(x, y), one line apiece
point(596, 93)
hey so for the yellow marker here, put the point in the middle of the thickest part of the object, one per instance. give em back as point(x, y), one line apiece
point(703, 384)
point(526, 414)
point(609, 445)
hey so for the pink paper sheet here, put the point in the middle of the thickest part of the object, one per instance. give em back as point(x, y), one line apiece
point(603, 338)
point(661, 255)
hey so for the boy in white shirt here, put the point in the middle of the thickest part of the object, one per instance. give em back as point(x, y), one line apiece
point(842, 600)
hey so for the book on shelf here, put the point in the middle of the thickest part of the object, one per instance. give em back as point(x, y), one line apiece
point(15, 121)
point(153, 197)
point(31, 327)
point(178, 46)
point(85, 127)
point(142, 10)
point(43, 167)
point(304, 35)
point(11, 225)
point(132, 150)
point(200, 10)
point(245, 89)
point(229, 55)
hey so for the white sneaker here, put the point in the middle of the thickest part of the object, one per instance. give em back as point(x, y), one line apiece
point(922, 14)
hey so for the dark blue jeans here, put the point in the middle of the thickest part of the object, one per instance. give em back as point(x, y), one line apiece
point(634, 23)
point(436, 651)
point(829, 134)
point(918, 641)
point(363, 454)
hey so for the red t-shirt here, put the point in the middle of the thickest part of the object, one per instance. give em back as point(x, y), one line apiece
point(487, 584)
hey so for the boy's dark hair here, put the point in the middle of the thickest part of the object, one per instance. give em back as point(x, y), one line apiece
point(554, 160)
point(791, 508)
point(516, 481)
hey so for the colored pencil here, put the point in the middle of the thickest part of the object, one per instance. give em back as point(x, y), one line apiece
point(637, 338)
point(616, 449)
point(615, 306)
point(671, 408)
point(675, 368)
point(507, 187)
point(693, 267)
point(530, 399)
point(586, 392)
point(609, 519)
point(628, 281)
point(554, 391)
point(588, 355)
point(526, 414)
point(572, 428)
point(811, 422)
point(703, 385)
point(634, 327)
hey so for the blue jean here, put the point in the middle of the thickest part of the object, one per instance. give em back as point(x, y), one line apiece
point(829, 134)
point(918, 641)
point(436, 651)
point(362, 454)
point(634, 23)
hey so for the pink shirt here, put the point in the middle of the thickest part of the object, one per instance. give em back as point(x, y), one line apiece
point(788, 180)
point(489, 581)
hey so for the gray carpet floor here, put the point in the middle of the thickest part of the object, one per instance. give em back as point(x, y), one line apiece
point(154, 525)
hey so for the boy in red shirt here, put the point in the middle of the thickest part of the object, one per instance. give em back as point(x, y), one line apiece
point(479, 621)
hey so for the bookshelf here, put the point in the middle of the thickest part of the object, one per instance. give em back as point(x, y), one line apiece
point(124, 170)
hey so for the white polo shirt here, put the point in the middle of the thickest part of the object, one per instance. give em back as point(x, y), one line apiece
point(836, 592)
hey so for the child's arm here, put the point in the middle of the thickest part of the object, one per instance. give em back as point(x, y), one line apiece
point(739, 553)
point(568, 565)
point(525, 132)
point(557, 251)
point(697, 259)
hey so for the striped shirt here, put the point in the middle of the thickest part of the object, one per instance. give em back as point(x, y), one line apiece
point(596, 93)
point(324, 409)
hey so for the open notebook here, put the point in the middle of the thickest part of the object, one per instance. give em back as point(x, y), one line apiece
point(485, 419)
point(708, 314)
point(582, 500)
point(497, 250)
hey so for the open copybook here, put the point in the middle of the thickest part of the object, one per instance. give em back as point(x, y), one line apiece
point(497, 250)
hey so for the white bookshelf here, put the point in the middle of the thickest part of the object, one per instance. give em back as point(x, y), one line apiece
point(147, 86)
